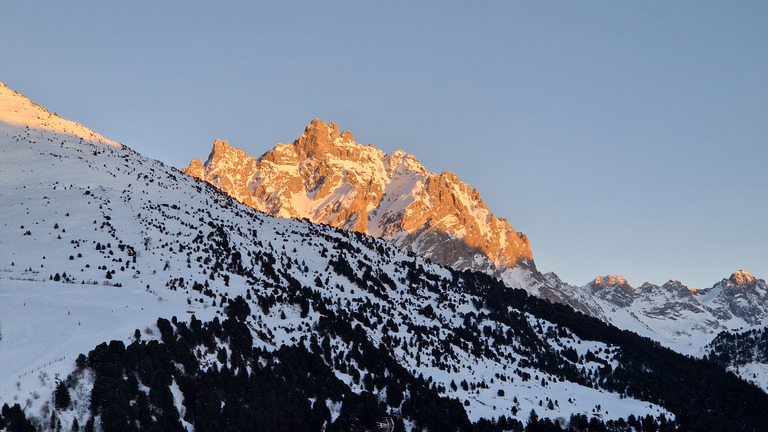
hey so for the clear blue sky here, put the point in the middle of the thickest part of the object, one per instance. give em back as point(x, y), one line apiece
point(622, 137)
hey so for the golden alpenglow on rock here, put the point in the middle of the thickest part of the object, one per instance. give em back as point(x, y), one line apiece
point(328, 178)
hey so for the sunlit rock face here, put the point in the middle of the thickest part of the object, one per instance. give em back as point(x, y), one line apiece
point(741, 278)
point(326, 177)
point(740, 296)
point(613, 288)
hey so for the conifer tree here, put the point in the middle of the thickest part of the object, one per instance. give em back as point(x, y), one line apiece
point(61, 398)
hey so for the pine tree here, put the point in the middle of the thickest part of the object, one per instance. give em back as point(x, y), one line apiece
point(61, 398)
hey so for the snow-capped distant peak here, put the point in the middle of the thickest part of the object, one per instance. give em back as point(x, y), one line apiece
point(611, 281)
point(741, 278)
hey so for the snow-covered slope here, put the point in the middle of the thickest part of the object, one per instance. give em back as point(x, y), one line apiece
point(97, 241)
point(16, 110)
point(743, 353)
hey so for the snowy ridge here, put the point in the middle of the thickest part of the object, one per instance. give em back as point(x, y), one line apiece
point(680, 318)
point(17, 110)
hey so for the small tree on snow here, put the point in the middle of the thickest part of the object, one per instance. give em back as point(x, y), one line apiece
point(61, 398)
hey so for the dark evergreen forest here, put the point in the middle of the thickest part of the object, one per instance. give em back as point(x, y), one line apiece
point(287, 389)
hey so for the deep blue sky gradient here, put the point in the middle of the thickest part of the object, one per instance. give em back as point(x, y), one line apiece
point(622, 137)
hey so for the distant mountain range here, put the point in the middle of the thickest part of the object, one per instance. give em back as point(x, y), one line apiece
point(683, 319)
point(134, 297)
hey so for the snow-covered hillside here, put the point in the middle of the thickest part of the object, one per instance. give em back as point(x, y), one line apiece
point(98, 241)
point(16, 110)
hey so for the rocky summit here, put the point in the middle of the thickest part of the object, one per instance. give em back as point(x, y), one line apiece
point(327, 177)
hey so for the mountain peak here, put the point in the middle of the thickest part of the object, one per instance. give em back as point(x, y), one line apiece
point(614, 289)
point(221, 144)
point(611, 281)
point(327, 177)
point(319, 137)
point(741, 278)
point(400, 158)
point(195, 168)
point(320, 132)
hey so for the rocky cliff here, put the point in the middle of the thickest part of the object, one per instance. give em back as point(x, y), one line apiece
point(327, 177)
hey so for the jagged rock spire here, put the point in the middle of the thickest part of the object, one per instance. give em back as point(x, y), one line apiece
point(741, 278)
point(326, 177)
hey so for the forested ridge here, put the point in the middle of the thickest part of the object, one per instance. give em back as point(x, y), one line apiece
point(229, 384)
